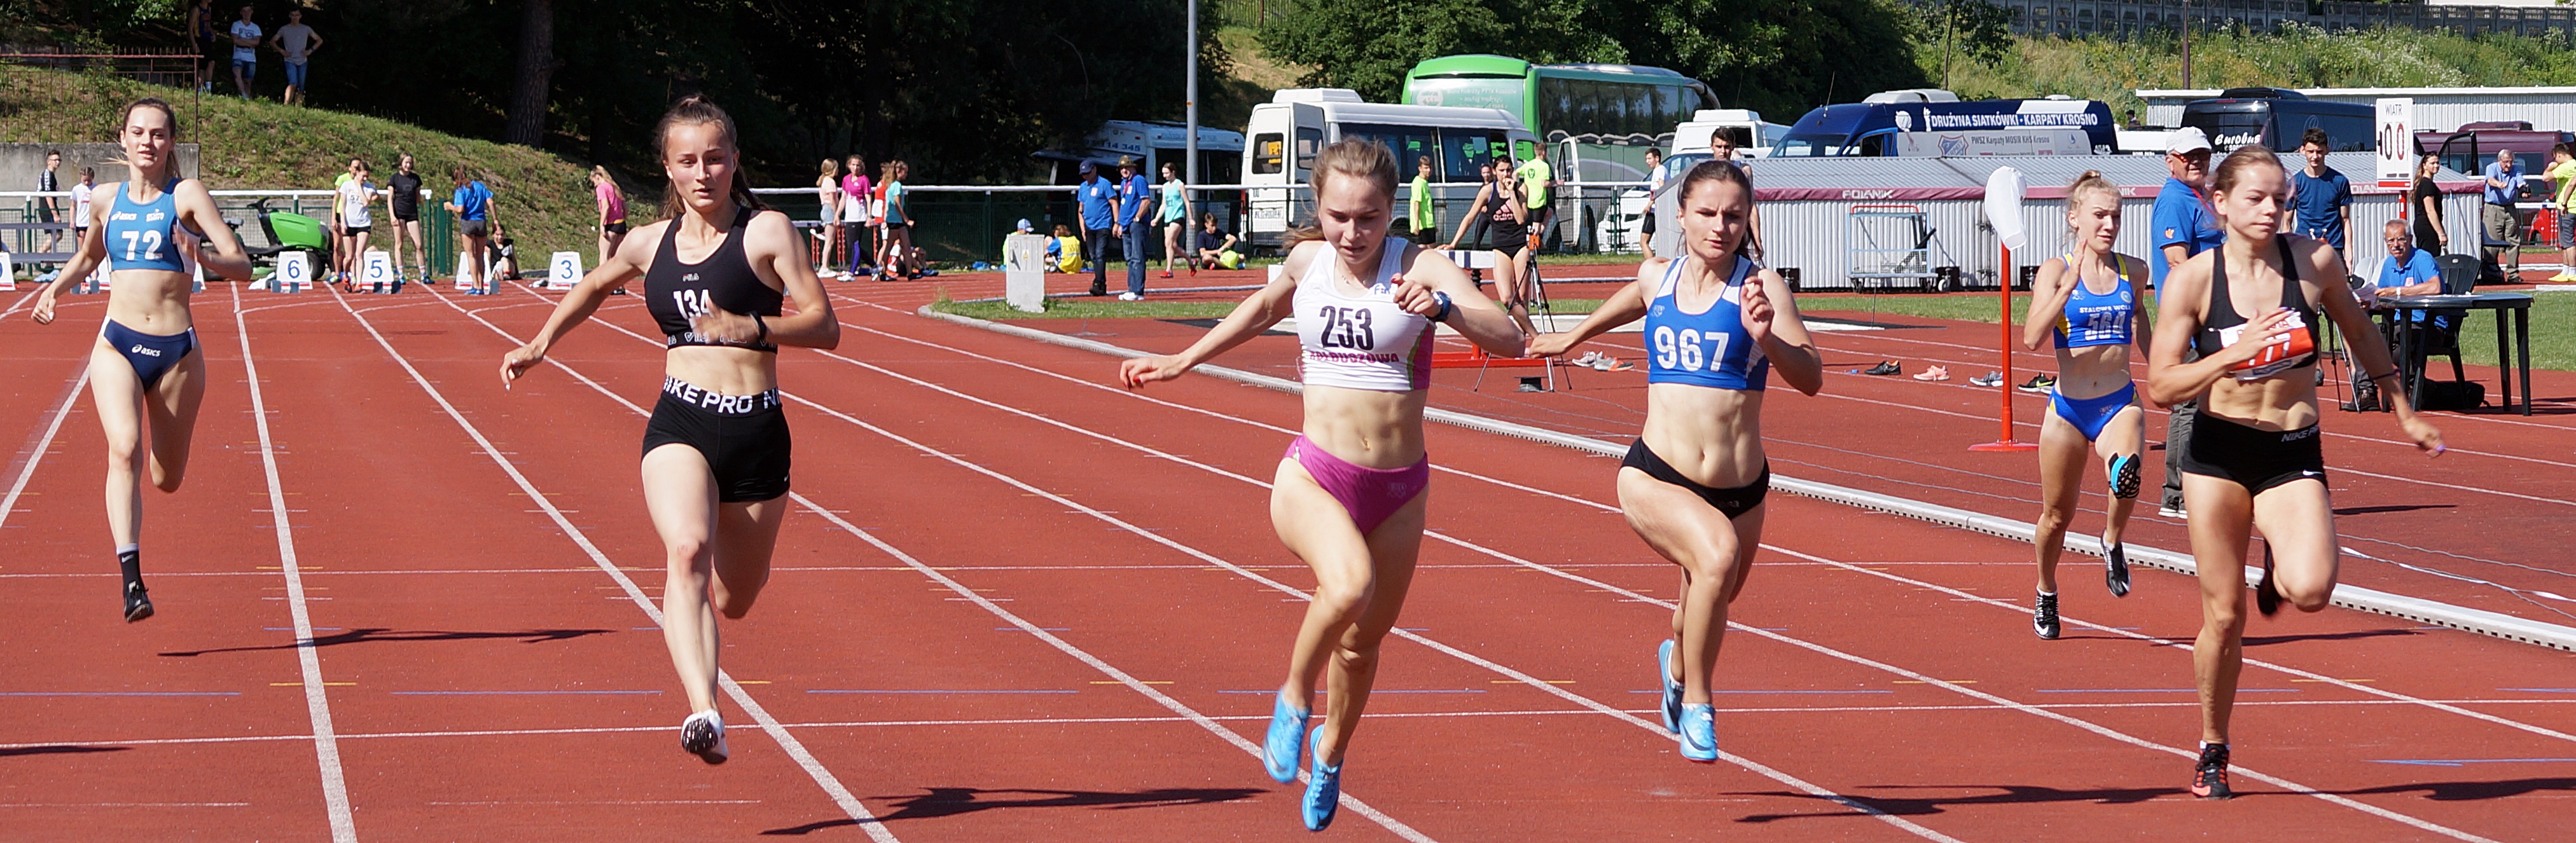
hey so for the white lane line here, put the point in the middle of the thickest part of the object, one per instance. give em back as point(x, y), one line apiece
point(22, 302)
point(1608, 508)
point(35, 455)
point(1398, 827)
point(795, 749)
point(317, 703)
point(1666, 604)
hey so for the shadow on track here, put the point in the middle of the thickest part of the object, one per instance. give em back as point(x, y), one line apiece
point(2268, 640)
point(2372, 510)
point(59, 750)
point(355, 636)
point(951, 801)
point(2466, 791)
point(2002, 795)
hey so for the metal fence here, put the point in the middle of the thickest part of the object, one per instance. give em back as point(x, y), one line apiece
point(173, 67)
point(2131, 18)
point(241, 208)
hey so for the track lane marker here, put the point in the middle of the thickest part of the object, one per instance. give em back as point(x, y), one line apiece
point(317, 702)
point(794, 748)
point(28, 460)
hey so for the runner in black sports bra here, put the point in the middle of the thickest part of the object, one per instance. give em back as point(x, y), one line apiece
point(676, 292)
point(2297, 348)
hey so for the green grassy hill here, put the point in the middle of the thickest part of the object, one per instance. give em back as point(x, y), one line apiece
point(544, 200)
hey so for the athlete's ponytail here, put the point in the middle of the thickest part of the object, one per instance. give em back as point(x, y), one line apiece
point(2090, 182)
point(697, 110)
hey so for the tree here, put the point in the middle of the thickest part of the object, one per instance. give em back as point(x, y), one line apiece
point(532, 86)
point(1368, 45)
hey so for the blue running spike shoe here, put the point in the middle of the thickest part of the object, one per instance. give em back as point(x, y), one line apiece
point(1672, 689)
point(1699, 732)
point(1323, 789)
point(1287, 736)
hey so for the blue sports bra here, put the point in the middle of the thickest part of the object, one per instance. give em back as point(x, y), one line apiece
point(1708, 349)
point(145, 236)
point(2092, 319)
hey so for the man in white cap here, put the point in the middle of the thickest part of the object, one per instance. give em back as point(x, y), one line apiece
point(2182, 226)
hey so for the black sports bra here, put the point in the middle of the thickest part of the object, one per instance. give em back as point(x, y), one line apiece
point(2297, 347)
point(674, 290)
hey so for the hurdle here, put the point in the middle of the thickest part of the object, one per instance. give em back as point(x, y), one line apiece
point(2004, 191)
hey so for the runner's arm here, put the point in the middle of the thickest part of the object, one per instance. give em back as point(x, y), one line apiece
point(2049, 293)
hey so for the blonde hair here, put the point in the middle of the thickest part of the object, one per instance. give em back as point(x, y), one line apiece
point(831, 174)
point(2090, 182)
point(1366, 159)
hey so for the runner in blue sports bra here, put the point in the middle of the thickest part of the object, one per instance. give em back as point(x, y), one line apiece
point(1692, 485)
point(2091, 303)
point(145, 362)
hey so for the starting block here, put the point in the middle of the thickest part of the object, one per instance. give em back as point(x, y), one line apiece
point(294, 273)
point(376, 273)
point(564, 271)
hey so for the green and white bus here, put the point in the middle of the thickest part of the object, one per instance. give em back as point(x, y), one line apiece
point(1597, 120)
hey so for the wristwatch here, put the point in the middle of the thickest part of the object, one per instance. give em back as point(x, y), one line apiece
point(1441, 315)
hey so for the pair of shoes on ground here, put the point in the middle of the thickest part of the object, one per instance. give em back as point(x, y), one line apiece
point(1934, 373)
point(1884, 367)
point(1130, 297)
point(1990, 378)
point(1281, 749)
point(1601, 362)
point(2038, 384)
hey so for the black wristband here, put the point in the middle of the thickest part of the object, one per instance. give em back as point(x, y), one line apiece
point(764, 328)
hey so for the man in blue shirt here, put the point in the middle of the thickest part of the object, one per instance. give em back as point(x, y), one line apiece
point(2182, 226)
point(1098, 202)
point(2406, 271)
point(2322, 196)
point(472, 204)
point(2503, 184)
point(1135, 198)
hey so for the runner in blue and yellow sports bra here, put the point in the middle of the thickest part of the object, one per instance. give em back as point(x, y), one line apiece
point(146, 355)
point(2090, 302)
point(1717, 326)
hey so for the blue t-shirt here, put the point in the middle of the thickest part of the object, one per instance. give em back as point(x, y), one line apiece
point(2512, 179)
point(2417, 268)
point(475, 199)
point(2180, 220)
point(1131, 196)
point(2319, 203)
point(1094, 196)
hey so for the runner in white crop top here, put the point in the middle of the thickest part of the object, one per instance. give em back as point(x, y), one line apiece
point(1362, 341)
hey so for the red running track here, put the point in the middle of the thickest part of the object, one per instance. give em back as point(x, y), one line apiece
point(1015, 604)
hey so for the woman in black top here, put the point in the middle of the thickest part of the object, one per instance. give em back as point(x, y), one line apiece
point(716, 450)
point(2251, 308)
point(1501, 204)
point(402, 195)
point(2430, 234)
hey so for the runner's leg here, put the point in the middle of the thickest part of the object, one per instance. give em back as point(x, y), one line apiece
point(2297, 519)
point(1360, 584)
point(2221, 517)
point(118, 396)
point(2061, 485)
point(680, 495)
point(2126, 435)
point(1686, 530)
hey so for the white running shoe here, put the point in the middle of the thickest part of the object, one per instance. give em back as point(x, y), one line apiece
point(1587, 358)
point(1130, 297)
point(2170, 512)
point(703, 735)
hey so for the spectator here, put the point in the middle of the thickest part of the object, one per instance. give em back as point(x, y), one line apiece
point(2321, 195)
point(472, 204)
point(2562, 173)
point(2182, 226)
point(2405, 270)
point(246, 37)
point(296, 42)
point(1174, 215)
point(2130, 120)
point(354, 213)
point(340, 254)
point(1098, 201)
point(402, 198)
point(48, 208)
point(1216, 248)
point(80, 205)
point(612, 212)
point(827, 190)
point(2430, 232)
point(505, 254)
point(1135, 198)
point(1722, 148)
point(877, 218)
point(2503, 184)
point(1423, 222)
point(1656, 175)
point(902, 259)
point(213, 48)
point(1484, 176)
point(855, 187)
point(1064, 251)
point(1536, 180)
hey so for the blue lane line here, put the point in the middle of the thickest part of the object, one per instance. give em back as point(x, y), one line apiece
point(2462, 762)
point(2158, 690)
point(933, 691)
point(508, 693)
point(120, 692)
point(2541, 690)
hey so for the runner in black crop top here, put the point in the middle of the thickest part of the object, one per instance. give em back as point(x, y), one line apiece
point(2220, 328)
point(676, 291)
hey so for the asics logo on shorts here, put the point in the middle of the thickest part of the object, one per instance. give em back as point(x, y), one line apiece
point(718, 403)
point(139, 349)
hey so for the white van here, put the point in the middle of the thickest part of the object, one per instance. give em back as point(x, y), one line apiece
point(1281, 139)
point(1752, 135)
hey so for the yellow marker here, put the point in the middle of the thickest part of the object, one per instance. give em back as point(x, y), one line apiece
point(751, 682)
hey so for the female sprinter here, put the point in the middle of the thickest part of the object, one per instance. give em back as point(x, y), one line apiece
point(1692, 485)
point(827, 190)
point(1503, 205)
point(145, 363)
point(1350, 492)
point(612, 210)
point(1172, 208)
point(2090, 301)
point(716, 450)
point(2250, 309)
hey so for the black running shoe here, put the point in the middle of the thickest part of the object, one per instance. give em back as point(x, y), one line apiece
point(2116, 575)
point(2038, 383)
point(138, 605)
point(703, 735)
point(2267, 597)
point(2209, 775)
point(2043, 617)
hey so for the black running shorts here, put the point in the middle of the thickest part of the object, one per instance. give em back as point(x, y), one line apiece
point(743, 437)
